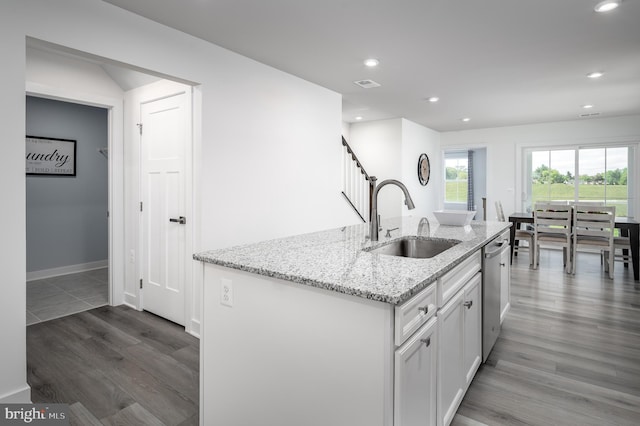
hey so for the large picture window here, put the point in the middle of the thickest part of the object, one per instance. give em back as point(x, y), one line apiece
point(580, 174)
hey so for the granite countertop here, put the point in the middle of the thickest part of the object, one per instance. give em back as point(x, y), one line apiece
point(338, 259)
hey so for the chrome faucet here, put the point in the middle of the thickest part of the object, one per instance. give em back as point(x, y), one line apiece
point(373, 225)
point(424, 223)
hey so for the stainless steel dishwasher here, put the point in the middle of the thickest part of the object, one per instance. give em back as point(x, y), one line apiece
point(491, 277)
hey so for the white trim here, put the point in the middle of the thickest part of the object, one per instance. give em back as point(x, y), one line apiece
point(522, 150)
point(115, 179)
point(20, 396)
point(65, 270)
point(130, 300)
point(194, 306)
point(193, 328)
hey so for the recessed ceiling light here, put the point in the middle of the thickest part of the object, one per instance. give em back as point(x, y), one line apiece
point(359, 118)
point(596, 74)
point(587, 106)
point(466, 119)
point(433, 99)
point(607, 5)
point(371, 62)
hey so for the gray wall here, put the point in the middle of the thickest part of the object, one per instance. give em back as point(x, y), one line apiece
point(67, 216)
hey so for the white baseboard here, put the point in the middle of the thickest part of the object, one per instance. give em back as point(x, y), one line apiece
point(194, 328)
point(130, 300)
point(64, 270)
point(21, 396)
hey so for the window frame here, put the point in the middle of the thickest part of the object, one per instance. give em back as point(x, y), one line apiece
point(632, 165)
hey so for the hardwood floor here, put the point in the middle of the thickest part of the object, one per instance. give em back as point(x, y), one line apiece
point(115, 366)
point(568, 353)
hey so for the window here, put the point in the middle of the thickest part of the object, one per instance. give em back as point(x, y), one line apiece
point(580, 174)
point(456, 167)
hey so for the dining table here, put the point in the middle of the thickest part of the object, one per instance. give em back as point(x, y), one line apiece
point(628, 227)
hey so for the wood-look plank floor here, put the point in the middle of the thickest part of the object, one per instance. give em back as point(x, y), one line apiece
point(115, 366)
point(568, 353)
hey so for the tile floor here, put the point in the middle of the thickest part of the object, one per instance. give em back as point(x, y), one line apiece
point(64, 295)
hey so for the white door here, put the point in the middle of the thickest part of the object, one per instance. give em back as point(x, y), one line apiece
point(165, 144)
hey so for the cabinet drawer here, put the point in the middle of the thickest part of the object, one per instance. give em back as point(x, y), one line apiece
point(454, 280)
point(413, 313)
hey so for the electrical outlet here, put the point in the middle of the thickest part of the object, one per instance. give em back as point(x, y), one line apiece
point(132, 256)
point(226, 292)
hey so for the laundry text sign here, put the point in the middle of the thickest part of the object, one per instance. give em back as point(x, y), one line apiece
point(50, 156)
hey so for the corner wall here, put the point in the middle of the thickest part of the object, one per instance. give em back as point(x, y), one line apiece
point(270, 158)
point(416, 140)
point(389, 149)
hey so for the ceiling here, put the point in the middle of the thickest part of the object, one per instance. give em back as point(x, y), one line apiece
point(498, 62)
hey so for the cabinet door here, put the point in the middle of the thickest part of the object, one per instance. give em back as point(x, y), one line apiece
point(415, 378)
point(505, 283)
point(472, 328)
point(450, 358)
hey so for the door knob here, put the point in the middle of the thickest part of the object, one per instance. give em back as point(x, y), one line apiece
point(181, 220)
point(468, 304)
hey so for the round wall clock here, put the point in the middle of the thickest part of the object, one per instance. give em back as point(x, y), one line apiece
point(424, 169)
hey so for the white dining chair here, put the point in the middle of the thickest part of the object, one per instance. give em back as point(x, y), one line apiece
point(586, 203)
point(521, 235)
point(593, 227)
point(620, 244)
point(552, 227)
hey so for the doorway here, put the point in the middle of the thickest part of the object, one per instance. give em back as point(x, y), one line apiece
point(61, 74)
point(67, 203)
point(465, 180)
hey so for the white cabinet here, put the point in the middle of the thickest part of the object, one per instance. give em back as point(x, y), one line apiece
point(472, 328)
point(459, 348)
point(505, 282)
point(415, 378)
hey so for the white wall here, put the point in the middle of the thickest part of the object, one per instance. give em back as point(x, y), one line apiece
point(378, 145)
point(54, 70)
point(417, 139)
point(346, 131)
point(389, 149)
point(270, 155)
point(505, 145)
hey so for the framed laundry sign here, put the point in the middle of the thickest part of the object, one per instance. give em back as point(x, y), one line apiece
point(50, 156)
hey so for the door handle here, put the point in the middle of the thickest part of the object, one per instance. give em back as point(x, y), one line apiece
point(181, 220)
point(468, 304)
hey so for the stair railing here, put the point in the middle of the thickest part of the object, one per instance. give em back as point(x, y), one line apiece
point(356, 187)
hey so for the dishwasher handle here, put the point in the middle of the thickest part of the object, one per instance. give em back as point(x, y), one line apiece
point(493, 249)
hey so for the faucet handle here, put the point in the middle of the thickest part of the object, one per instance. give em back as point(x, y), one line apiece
point(388, 234)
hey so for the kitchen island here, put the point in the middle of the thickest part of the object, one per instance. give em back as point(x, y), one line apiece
point(318, 330)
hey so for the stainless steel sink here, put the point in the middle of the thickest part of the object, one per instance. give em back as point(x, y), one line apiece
point(417, 248)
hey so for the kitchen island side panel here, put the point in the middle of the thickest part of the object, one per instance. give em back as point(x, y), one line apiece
point(287, 354)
